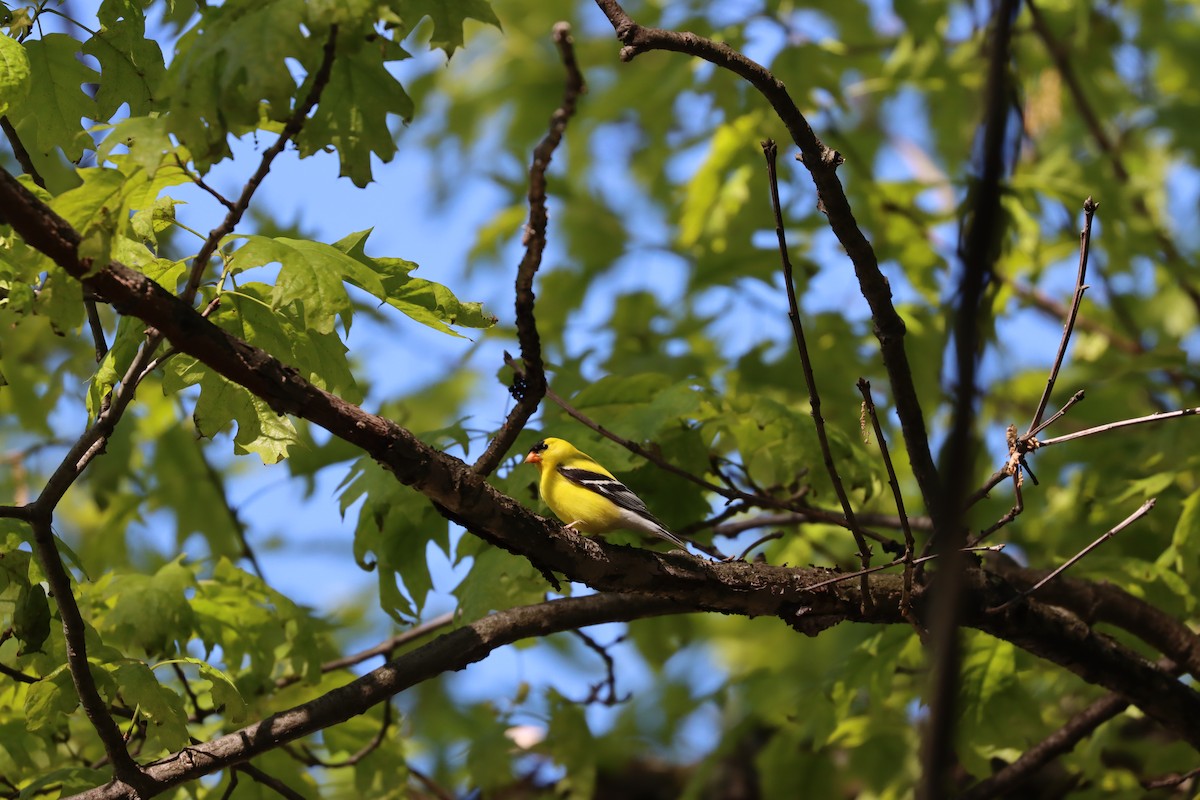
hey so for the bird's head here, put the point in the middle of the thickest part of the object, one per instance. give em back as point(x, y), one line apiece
point(545, 449)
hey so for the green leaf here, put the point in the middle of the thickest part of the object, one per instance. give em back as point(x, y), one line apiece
point(152, 613)
point(448, 17)
point(131, 66)
point(354, 110)
point(232, 69)
point(57, 104)
point(260, 429)
point(989, 667)
point(395, 528)
point(162, 706)
point(31, 618)
point(426, 302)
point(51, 700)
point(14, 73)
point(312, 276)
point(498, 580)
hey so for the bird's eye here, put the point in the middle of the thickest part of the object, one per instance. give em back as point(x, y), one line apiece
point(540, 447)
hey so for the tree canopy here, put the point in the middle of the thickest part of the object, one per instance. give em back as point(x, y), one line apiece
point(891, 310)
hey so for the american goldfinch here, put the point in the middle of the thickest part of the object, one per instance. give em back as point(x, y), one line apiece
point(587, 497)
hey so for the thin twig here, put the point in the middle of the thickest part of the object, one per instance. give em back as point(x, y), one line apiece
point(771, 152)
point(531, 388)
point(270, 781)
point(1057, 415)
point(196, 179)
point(429, 784)
point(990, 548)
point(864, 388)
point(20, 153)
point(1125, 423)
point(1171, 781)
point(384, 724)
point(610, 672)
point(1085, 242)
point(16, 674)
point(1142, 511)
point(124, 767)
point(1054, 308)
point(760, 540)
point(1013, 513)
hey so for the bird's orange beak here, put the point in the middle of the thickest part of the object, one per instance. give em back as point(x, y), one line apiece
point(534, 458)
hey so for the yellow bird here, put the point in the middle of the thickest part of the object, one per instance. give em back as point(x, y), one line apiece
point(587, 497)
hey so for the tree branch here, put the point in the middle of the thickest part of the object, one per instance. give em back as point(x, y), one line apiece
point(125, 769)
point(983, 230)
point(770, 151)
point(531, 387)
point(1085, 243)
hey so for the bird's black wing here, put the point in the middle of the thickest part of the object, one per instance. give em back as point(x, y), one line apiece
point(610, 488)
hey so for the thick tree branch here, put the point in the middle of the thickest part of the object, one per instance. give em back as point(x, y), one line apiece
point(532, 384)
point(822, 163)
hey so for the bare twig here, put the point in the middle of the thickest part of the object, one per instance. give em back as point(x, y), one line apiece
point(430, 785)
point(822, 162)
point(609, 684)
point(845, 576)
point(531, 387)
point(1125, 423)
point(270, 781)
point(16, 674)
point(1054, 308)
point(1085, 242)
point(760, 540)
point(20, 153)
point(1170, 781)
point(771, 152)
point(384, 724)
point(1057, 415)
point(1142, 511)
point(196, 179)
point(864, 387)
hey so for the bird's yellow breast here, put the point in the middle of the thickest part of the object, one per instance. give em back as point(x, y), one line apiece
point(572, 503)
